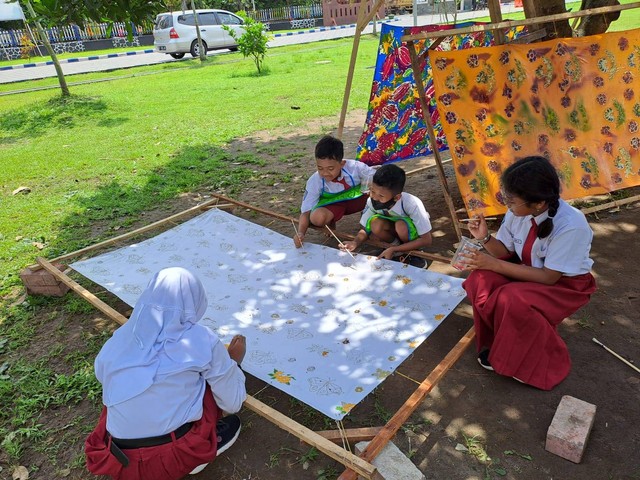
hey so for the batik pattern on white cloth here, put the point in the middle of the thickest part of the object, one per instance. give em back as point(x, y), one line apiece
point(322, 327)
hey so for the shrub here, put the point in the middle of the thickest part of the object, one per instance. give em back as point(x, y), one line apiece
point(253, 42)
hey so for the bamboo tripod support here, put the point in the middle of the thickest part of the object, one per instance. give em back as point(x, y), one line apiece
point(361, 24)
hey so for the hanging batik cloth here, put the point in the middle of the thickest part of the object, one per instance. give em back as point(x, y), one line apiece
point(574, 101)
point(394, 129)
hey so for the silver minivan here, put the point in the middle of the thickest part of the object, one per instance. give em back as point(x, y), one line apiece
point(175, 32)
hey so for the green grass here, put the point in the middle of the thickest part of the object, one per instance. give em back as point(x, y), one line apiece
point(118, 148)
point(629, 19)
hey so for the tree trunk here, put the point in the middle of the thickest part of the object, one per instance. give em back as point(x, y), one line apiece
point(541, 8)
point(202, 53)
point(54, 58)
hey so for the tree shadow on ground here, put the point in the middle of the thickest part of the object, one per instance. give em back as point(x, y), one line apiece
point(36, 119)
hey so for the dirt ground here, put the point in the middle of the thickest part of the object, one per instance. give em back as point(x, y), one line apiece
point(501, 422)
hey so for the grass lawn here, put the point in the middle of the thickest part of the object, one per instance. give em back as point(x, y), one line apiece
point(629, 19)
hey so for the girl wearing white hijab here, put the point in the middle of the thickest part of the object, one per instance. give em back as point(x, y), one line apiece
point(166, 380)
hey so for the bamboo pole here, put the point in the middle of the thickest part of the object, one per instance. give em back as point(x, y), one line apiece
point(518, 23)
point(128, 235)
point(361, 24)
point(401, 416)
point(312, 438)
point(417, 75)
point(615, 203)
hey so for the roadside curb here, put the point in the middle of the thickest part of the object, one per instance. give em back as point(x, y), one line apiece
point(75, 60)
point(327, 29)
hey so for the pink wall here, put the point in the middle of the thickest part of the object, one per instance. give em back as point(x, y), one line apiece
point(344, 12)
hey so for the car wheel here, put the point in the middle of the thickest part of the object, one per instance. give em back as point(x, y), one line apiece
point(195, 51)
point(234, 49)
point(177, 55)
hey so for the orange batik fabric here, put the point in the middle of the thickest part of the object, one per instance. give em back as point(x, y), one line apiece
point(575, 101)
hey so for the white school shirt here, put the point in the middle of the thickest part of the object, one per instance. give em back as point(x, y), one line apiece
point(176, 399)
point(565, 250)
point(408, 206)
point(354, 172)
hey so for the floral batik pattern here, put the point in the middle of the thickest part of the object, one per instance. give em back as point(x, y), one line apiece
point(395, 129)
point(570, 100)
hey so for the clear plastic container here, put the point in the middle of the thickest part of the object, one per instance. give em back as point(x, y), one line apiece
point(467, 245)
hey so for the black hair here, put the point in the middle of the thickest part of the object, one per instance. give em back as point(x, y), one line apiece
point(391, 177)
point(534, 179)
point(330, 147)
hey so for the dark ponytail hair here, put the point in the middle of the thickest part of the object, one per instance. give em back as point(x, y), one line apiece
point(534, 179)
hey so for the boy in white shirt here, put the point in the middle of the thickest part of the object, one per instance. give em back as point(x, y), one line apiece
point(334, 191)
point(393, 216)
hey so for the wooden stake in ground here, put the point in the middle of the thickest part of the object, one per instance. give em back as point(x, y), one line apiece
point(616, 355)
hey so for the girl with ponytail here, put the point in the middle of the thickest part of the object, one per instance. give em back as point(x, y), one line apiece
point(535, 274)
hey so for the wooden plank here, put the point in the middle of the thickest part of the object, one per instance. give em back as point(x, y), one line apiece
point(401, 416)
point(353, 435)
point(422, 97)
point(128, 235)
point(83, 292)
point(518, 23)
point(351, 461)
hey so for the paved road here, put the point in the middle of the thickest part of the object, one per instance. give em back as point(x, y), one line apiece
point(84, 65)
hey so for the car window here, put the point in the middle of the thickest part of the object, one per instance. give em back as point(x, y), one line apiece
point(186, 19)
point(164, 21)
point(208, 18)
point(228, 19)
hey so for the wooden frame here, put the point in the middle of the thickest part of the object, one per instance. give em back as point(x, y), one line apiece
point(324, 441)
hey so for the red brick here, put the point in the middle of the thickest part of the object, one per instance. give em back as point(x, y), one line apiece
point(569, 430)
point(41, 282)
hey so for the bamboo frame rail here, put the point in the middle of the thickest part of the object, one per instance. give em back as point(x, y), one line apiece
point(130, 234)
point(518, 23)
point(422, 97)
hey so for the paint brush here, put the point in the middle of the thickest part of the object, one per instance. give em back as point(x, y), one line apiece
point(341, 244)
point(297, 234)
point(471, 219)
point(616, 355)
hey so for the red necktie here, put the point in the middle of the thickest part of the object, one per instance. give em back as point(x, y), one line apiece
point(343, 182)
point(528, 243)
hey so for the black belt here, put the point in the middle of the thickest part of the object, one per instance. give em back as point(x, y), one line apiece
point(128, 443)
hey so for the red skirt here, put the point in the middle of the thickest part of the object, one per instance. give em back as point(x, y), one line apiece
point(170, 461)
point(517, 322)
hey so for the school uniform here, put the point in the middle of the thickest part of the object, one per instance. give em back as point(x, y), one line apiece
point(517, 320)
point(166, 380)
point(343, 196)
point(408, 209)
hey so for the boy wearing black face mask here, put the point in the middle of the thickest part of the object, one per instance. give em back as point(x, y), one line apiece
point(393, 216)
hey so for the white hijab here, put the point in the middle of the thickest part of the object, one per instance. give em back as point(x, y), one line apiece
point(161, 337)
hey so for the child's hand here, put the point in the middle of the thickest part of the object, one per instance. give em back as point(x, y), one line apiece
point(350, 246)
point(387, 253)
point(298, 240)
point(478, 261)
point(478, 226)
point(238, 348)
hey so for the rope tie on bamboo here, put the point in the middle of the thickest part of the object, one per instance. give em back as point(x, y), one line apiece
point(408, 378)
point(343, 436)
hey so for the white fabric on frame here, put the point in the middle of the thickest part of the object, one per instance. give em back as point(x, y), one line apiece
point(322, 327)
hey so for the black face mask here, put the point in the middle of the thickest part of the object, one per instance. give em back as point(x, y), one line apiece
point(382, 206)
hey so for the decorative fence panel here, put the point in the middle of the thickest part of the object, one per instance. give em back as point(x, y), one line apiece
point(293, 12)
